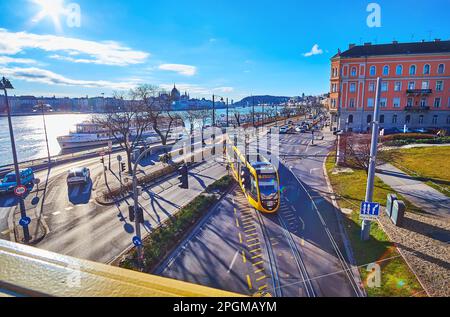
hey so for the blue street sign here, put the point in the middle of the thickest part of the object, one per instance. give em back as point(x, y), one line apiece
point(137, 241)
point(24, 221)
point(369, 211)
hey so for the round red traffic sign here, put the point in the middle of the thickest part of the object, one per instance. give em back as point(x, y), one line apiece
point(20, 190)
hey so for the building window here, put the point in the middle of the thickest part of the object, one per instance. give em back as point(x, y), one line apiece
point(437, 102)
point(370, 102)
point(382, 118)
point(412, 70)
point(352, 103)
point(384, 86)
point(399, 70)
point(372, 86)
point(412, 85)
point(398, 86)
point(439, 85)
point(350, 118)
point(421, 119)
point(353, 72)
point(394, 119)
point(386, 70)
point(383, 102)
point(426, 69)
point(352, 87)
point(435, 119)
point(373, 70)
point(369, 118)
point(441, 69)
point(423, 102)
point(408, 119)
point(396, 102)
point(425, 84)
point(409, 103)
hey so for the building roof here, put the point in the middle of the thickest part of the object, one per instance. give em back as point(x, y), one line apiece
point(396, 49)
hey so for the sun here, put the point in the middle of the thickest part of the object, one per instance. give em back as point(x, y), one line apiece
point(52, 9)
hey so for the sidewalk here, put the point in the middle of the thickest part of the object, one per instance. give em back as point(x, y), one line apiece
point(419, 194)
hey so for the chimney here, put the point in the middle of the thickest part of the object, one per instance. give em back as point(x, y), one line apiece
point(352, 45)
point(367, 44)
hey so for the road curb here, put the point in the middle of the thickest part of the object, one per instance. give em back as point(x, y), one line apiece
point(345, 239)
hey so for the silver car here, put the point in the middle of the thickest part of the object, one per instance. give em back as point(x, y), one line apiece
point(79, 175)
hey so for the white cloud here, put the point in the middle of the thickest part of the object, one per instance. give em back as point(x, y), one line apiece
point(314, 51)
point(12, 60)
point(186, 70)
point(105, 53)
point(33, 74)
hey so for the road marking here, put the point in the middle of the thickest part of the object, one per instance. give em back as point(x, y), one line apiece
point(235, 211)
point(250, 230)
point(247, 221)
point(4, 233)
point(237, 223)
point(244, 258)
point(313, 169)
point(240, 237)
point(254, 239)
point(249, 282)
point(251, 235)
point(303, 242)
point(56, 213)
point(258, 263)
point(234, 260)
point(69, 208)
point(255, 250)
point(274, 243)
point(263, 287)
point(259, 271)
point(261, 278)
point(250, 226)
point(254, 245)
point(257, 256)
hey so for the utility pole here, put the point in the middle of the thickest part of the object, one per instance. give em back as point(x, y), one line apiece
point(45, 132)
point(214, 111)
point(6, 84)
point(227, 112)
point(365, 228)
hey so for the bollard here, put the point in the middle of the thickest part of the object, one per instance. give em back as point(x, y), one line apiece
point(398, 212)
point(390, 203)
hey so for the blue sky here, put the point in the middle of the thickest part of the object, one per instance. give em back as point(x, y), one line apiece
point(233, 48)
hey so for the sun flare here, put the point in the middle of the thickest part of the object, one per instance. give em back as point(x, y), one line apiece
point(52, 9)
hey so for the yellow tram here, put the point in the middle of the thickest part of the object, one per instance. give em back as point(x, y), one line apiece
point(258, 179)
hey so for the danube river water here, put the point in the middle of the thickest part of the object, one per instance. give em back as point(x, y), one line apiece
point(30, 137)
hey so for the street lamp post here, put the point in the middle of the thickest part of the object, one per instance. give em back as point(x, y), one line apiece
point(41, 106)
point(6, 84)
point(227, 112)
point(214, 111)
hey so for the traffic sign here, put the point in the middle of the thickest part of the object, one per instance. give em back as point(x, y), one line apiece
point(20, 190)
point(25, 221)
point(137, 241)
point(369, 211)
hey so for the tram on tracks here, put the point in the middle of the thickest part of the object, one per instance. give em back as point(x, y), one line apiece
point(258, 179)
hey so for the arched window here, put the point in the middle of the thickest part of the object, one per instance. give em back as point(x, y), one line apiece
point(441, 69)
point(399, 70)
point(350, 118)
point(412, 70)
point(353, 72)
point(373, 70)
point(369, 118)
point(386, 70)
point(426, 69)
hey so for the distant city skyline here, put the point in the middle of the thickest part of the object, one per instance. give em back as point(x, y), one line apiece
point(228, 48)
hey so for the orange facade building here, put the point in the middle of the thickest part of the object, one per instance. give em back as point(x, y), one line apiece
point(415, 91)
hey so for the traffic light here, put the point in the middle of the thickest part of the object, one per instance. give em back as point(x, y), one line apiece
point(131, 213)
point(123, 166)
point(183, 178)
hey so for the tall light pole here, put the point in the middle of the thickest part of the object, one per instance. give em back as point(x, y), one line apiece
point(41, 107)
point(214, 111)
point(227, 112)
point(365, 228)
point(6, 84)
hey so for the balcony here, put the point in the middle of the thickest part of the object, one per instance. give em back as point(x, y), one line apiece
point(418, 92)
point(417, 109)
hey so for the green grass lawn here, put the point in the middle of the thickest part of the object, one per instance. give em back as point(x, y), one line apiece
point(396, 278)
point(428, 164)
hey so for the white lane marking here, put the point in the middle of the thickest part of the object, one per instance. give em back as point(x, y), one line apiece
point(56, 213)
point(69, 208)
point(313, 170)
point(4, 233)
point(232, 262)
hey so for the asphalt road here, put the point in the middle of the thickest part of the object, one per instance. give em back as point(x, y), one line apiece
point(79, 227)
point(297, 252)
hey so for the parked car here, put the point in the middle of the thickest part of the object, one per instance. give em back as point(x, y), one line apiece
point(284, 130)
point(79, 175)
point(4, 171)
point(9, 182)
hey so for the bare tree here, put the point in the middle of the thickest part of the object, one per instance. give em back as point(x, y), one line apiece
point(126, 126)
